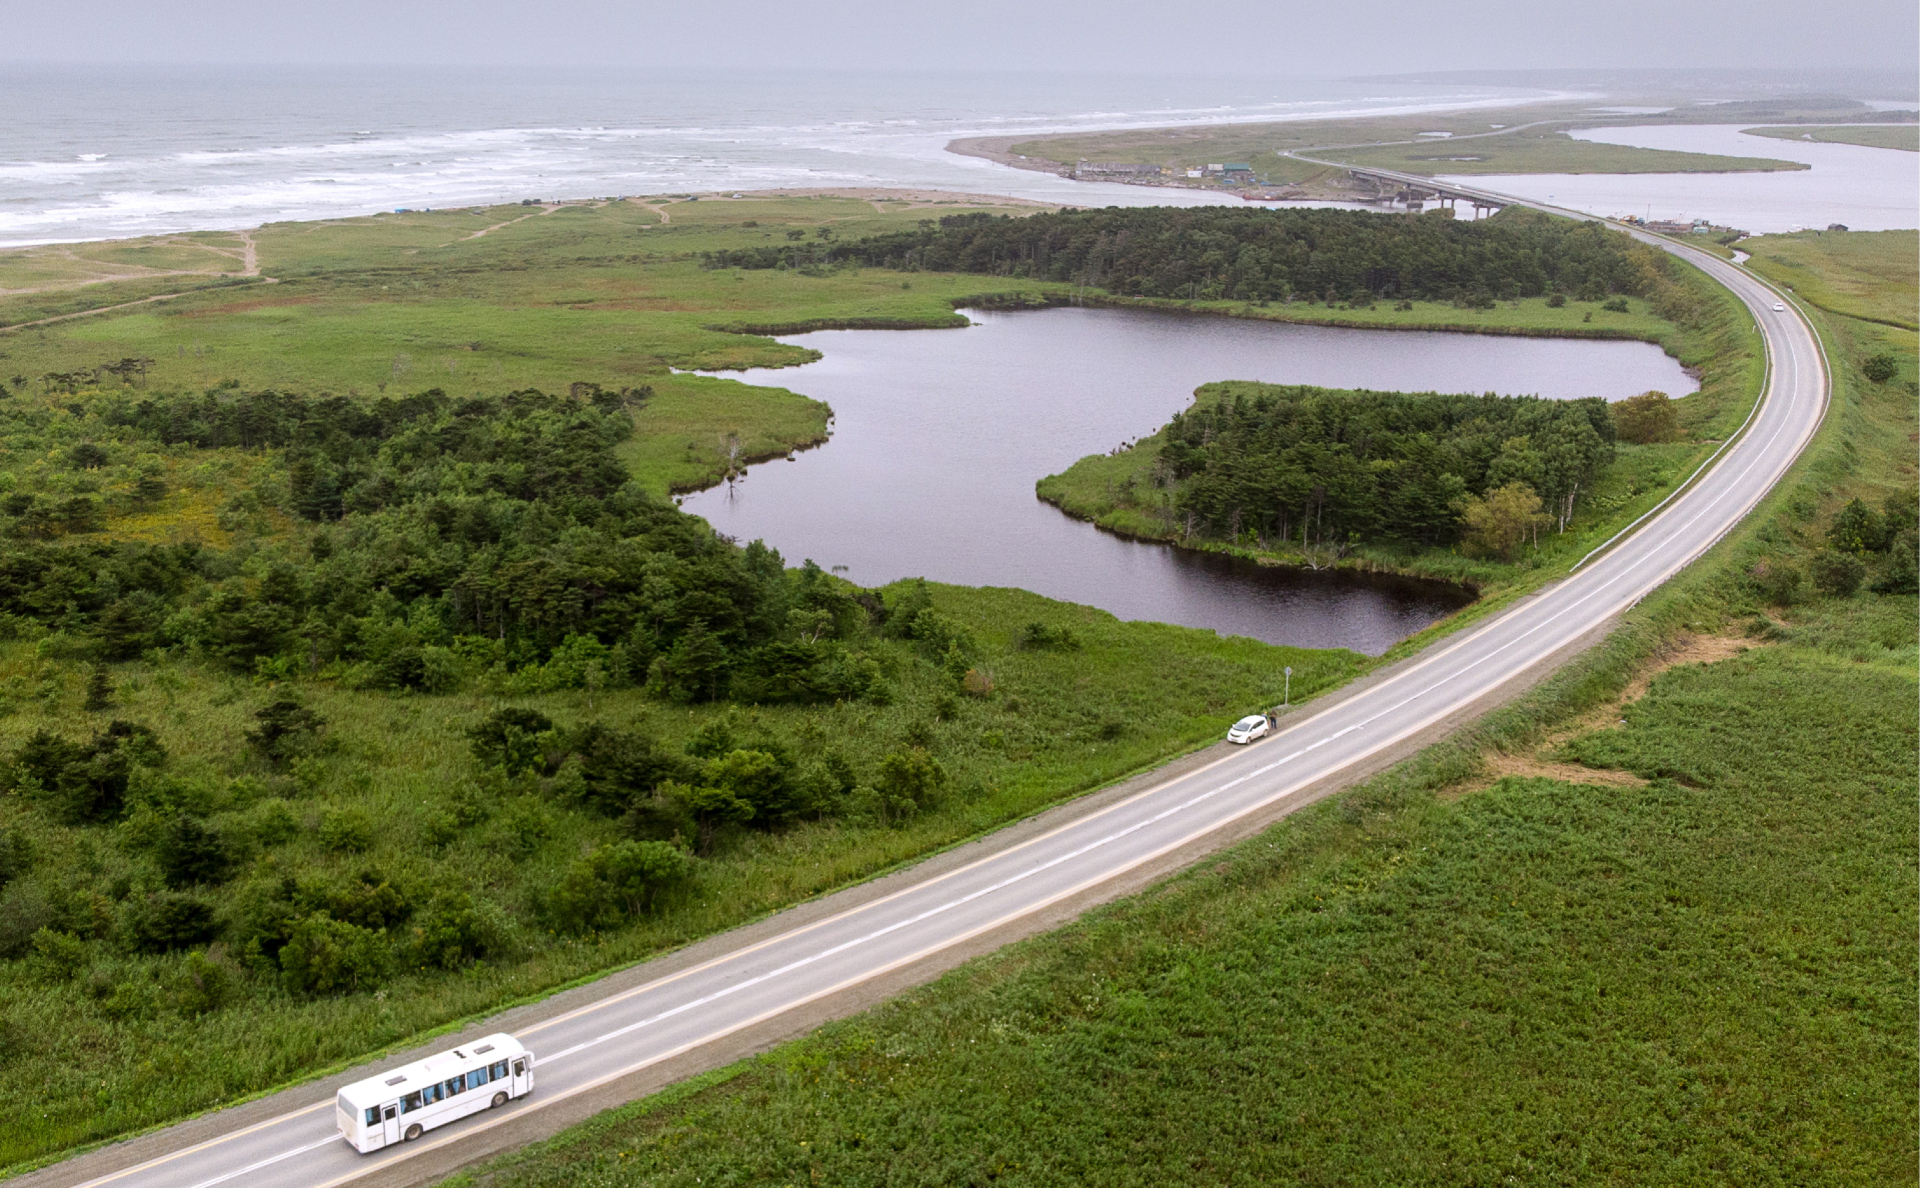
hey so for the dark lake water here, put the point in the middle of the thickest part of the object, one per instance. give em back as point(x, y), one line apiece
point(940, 435)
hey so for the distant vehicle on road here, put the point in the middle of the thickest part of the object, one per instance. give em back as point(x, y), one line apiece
point(1249, 728)
point(1779, 307)
point(404, 1103)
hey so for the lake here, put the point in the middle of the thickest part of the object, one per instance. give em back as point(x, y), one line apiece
point(940, 435)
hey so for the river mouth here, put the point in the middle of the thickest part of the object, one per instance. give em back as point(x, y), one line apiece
point(939, 437)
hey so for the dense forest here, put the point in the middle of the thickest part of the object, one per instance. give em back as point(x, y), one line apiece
point(1315, 466)
point(1253, 254)
point(488, 544)
point(461, 539)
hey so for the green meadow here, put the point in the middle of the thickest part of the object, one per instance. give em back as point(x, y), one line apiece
point(1886, 136)
point(387, 819)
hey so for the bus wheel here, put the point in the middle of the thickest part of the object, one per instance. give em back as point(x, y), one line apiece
point(413, 1132)
point(499, 1099)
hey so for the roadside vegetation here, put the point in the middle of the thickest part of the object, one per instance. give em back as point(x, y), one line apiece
point(1651, 925)
point(358, 676)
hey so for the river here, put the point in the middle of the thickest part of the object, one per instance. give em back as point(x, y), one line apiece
point(940, 436)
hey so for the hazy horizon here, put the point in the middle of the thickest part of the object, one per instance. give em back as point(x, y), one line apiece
point(1227, 38)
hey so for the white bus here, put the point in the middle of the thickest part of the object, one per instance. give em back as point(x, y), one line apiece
point(401, 1105)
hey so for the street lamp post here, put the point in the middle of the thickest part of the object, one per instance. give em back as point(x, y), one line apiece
point(1286, 697)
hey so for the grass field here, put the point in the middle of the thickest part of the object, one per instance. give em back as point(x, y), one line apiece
point(1886, 136)
point(1654, 925)
point(1865, 275)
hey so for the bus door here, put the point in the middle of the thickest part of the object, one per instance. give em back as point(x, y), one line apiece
point(390, 1124)
point(522, 1078)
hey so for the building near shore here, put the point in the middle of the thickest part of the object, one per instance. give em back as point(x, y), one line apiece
point(1115, 171)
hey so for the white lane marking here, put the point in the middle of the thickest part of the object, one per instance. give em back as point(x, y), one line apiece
point(1629, 567)
point(267, 1162)
point(183, 1152)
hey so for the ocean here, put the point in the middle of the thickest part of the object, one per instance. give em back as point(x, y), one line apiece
point(113, 152)
point(105, 152)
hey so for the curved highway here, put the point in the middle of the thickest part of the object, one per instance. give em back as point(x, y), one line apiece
point(688, 1018)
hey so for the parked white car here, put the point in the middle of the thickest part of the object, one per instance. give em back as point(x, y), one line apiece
point(1249, 728)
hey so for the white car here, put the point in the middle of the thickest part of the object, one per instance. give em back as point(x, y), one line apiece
point(1779, 307)
point(1249, 728)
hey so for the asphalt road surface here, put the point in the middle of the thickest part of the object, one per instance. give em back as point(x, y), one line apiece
point(698, 1008)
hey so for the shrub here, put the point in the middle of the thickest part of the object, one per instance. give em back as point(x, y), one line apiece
point(24, 911)
point(201, 987)
point(1646, 418)
point(1776, 581)
point(1837, 573)
point(1857, 529)
point(453, 932)
point(59, 955)
point(1880, 367)
point(910, 781)
point(758, 779)
point(1901, 572)
point(616, 882)
point(368, 900)
point(287, 731)
point(326, 956)
point(1617, 305)
point(166, 920)
point(606, 770)
point(1498, 524)
point(86, 782)
point(189, 851)
point(1040, 636)
point(346, 831)
point(712, 740)
point(15, 856)
point(511, 739)
point(1557, 301)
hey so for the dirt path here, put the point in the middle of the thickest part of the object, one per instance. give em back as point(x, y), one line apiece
point(510, 222)
point(1537, 760)
point(248, 255)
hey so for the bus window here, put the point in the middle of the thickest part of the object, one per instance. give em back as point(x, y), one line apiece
point(498, 1070)
point(457, 1084)
point(431, 1093)
point(476, 1078)
point(410, 1103)
point(373, 1115)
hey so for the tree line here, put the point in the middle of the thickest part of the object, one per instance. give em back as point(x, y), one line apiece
point(1215, 253)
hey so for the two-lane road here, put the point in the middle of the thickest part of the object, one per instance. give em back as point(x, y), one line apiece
point(698, 1008)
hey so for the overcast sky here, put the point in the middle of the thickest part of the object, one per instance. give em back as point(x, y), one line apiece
point(1233, 37)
